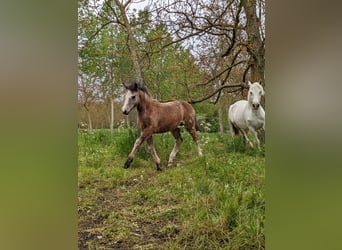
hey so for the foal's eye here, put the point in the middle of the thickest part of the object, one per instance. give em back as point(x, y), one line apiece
point(133, 97)
point(251, 93)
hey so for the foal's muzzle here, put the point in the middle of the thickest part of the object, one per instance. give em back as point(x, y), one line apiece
point(127, 111)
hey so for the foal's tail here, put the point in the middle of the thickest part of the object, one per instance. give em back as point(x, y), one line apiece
point(197, 126)
point(190, 114)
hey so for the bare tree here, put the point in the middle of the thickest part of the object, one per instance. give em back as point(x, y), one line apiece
point(255, 44)
point(121, 18)
point(226, 37)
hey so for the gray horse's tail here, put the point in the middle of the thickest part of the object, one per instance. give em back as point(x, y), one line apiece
point(233, 129)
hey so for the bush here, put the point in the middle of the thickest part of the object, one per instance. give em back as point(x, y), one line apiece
point(208, 124)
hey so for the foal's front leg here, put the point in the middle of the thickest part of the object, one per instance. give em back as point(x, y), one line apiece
point(153, 152)
point(137, 144)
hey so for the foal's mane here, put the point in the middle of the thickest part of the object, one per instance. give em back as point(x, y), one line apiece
point(137, 86)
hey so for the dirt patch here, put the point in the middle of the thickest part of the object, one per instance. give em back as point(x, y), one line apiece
point(117, 218)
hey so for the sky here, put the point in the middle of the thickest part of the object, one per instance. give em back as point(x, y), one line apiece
point(135, 4)
point(138, 5)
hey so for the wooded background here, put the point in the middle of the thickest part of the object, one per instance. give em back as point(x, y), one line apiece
point(202, 51)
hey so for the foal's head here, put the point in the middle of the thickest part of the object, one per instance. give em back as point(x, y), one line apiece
point(255, 93)
point(132, 98)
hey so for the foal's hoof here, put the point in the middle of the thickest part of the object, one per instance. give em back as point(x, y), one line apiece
point(158, 168)
point(128, 163)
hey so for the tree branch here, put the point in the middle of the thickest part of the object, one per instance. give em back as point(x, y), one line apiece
point(126, 4)
point(234, 33)
point(95, 34)
point(221, 73)
point(227, 75)
point(238, 86)
point(175, 41)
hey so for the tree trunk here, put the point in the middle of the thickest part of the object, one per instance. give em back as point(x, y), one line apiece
point(220, 118)
point(255, 43)
point(131, 41)
point(111, 115)
point(90, 125)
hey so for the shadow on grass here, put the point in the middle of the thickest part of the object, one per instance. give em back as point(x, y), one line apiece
point(238, 145)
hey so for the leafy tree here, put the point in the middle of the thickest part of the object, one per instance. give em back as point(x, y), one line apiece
point(193, 50)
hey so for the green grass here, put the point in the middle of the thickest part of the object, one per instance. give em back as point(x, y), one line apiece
point(213, 202)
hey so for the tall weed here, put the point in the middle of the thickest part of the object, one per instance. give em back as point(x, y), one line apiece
point(94, 148)
point(163, 143)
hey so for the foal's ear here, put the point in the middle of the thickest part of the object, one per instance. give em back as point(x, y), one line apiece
point(249, 84)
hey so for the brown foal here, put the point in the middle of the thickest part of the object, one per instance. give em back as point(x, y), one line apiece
point(156, 117)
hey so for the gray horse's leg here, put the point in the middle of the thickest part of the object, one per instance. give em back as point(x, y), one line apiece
point(244, 132)
point(255, 134)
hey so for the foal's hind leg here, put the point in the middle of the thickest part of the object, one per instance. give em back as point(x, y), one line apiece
point(176, 134)
point(192, 130)
point(153, 152)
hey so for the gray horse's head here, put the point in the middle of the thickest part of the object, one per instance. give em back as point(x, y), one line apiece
point(255, 93)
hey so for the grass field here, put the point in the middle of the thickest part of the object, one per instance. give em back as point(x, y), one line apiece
point(213, 202)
